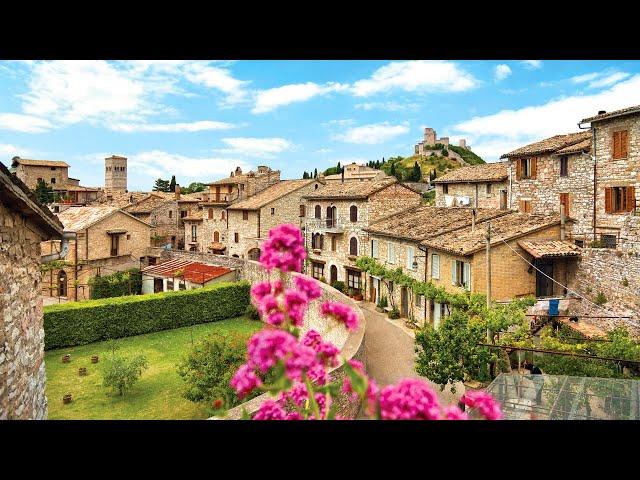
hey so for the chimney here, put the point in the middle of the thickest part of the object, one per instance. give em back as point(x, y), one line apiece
point(601, 112)
point(177, 191)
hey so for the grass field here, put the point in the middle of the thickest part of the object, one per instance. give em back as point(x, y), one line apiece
point(158, 393)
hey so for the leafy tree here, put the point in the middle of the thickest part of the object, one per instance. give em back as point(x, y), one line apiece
point(120, 373)
point(445, 152)
point(305, 175)
point(43, 192)
point(161, 185)
point(193, 187)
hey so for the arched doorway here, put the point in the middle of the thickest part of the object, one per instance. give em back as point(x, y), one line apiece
point(333, 274)
point(254, 254)
point(62, 283)
point(216, 236)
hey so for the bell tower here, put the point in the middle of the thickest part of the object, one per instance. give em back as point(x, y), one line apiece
point(115, 174)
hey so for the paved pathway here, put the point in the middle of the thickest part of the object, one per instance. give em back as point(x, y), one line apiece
point(390, 354)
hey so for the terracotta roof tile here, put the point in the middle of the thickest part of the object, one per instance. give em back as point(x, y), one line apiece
point(615, 113)
point(270, 194)
point(583, 146)
point(549, 145)
point(147, 204)
point(550, 248)
point(351, 189)
point(38, 163)
point(194, 272)
point(426, 221)
point(466, 241)
point(75, 219)
point(487, 172)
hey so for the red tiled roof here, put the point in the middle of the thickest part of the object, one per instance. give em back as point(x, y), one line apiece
point(615, 113)
point(194, 272)
point(550, 248)
point(549, 145)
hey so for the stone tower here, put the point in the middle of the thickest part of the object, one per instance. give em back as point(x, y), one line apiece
point(115, 174)
point(429, 136)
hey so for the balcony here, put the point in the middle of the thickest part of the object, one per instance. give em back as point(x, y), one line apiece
point(326, 225)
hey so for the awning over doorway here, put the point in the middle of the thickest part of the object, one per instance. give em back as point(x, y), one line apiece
point(550, 248)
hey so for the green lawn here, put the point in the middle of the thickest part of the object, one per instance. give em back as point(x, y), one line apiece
point(158, 393)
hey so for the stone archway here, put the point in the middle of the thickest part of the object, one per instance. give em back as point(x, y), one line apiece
point(254, 254)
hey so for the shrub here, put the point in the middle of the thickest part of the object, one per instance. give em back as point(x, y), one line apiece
point(117, 284)
point(600, 299)
point(208, 368)
point(394, 313)
point(625, 282)
point(252, 312)
point(383, 303)
point(79, 323)
point(120, 373)
point(338, 285)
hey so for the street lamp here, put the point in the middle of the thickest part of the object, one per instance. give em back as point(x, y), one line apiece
point(415, 264)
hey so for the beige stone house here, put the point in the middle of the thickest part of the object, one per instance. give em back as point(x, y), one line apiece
point(24, 224)
point(107, 240)
point(239, 186)
point(249, 221)
point(354, 171)
point(477, 186)
point(336, 217)
point(554, 171)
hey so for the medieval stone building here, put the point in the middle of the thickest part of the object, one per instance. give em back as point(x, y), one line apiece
point(476, 186)
point(24, 223)
point(430, 140)
point(115, 174)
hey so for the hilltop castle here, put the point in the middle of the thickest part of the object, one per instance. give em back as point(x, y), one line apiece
point(431, 139)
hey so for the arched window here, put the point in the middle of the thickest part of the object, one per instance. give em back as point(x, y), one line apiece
point(210, 213)
point(254, 254)
point(222, 215)
point(353, 213)
point(302, 212)
point(216, 236)
point(62, 283)
point(353, 246)
point(333, 243)
point(318, 213)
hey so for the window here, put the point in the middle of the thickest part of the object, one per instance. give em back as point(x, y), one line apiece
point(170, 284)
point(461, 274)
point(115, 244)
point(245, 214)
point(318, 212)
point(564, 200)
point(619, 199)
point(53, 168)
point(391, 253)
point(353, 279)
point(609, 241)
point(445, 188)
point(194, 233)
point(353, 246)
point(353, 213)
point(39, 179)
point(620, 144)
point(564, 166)
point(318, 270)
point(410, 258)
point(302, 212)
point(223, 215)
point(435, 266)
point(231, 187)
point(525, 206)
point(374, 248)
point(273, 211)
point(317, 241)
point(216, 236)
point(170, 213)
point(526, 168)
point(488, 189)
point(183, 213)
point(53, 180)
point(128, 237)
point(182, 285)
point(236, 237)
point(418, 300)
point(333, 243)
point(210, 213)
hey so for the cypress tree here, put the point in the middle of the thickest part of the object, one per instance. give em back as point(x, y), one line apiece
point(172, 185)
point(315, 173)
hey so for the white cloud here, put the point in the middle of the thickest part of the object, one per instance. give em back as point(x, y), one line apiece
point(373, 134)
point(416, 76)
point(502, 71)
point(600, 79)
point(172, 127)
point(587, 77)
point(387, 106)
point(256, 147)
point(23, 123)
point(9, 150)
point(510, 129)
point(217, 78)
point(268, 100)
point(532, 64)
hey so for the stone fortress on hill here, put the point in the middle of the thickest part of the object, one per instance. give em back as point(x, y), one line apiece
point(430, 139)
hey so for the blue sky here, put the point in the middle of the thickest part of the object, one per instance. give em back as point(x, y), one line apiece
point(199, 119)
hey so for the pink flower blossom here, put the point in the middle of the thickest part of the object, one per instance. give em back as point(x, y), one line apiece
point(311, 339)
point(410, 399)
point(372, 388)
point(295, 303)
point(270, 410)
point(283, 249)
point(309, 286)
point(341, 313)
point(266, 347)
point(452, 412)
point(245, 380)
point(302, 358)
point(328, 353)
point(484, 402)
point(318, 374)
point(297, 394)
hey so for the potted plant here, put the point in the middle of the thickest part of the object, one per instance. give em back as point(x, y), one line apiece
point(382, 304)
point(357, 295)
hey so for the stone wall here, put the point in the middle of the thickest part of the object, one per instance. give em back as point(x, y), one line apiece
point(544, 191)
point(29, 174)
point(22, 370)
point(473, 191)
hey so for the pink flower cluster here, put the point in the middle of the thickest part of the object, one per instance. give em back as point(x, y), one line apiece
point(372, 389)
point(341, 313)
point(283, 249)
point(488, 407)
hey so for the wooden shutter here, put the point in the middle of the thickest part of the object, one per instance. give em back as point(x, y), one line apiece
point(534, 167)
point(564, 200)
point(521, 206)
point(631, 199)
point(608, 194)
point(519, 169)
point(624, 143)
point(616, 145)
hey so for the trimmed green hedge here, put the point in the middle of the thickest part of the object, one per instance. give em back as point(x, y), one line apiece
point(79, 323)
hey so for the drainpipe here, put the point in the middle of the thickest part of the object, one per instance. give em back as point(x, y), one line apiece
point(64, 248)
